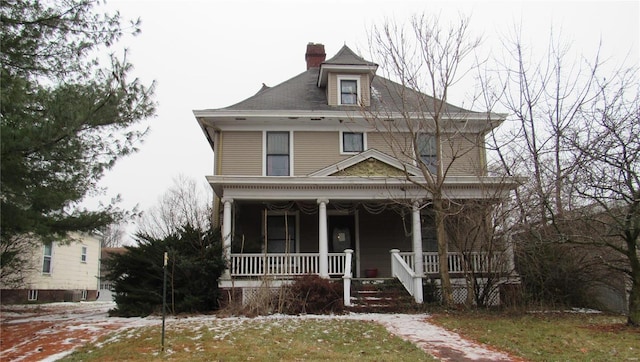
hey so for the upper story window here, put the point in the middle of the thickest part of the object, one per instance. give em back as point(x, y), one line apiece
point(352, 142)
point(46, 260)
point(428, 151)
point(348, 87)
point(83, 256)
point(277, 154)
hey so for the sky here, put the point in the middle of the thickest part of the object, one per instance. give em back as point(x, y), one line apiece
point(212, 54)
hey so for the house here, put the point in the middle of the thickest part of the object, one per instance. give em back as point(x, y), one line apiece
point(308, 180)
point(58, 271)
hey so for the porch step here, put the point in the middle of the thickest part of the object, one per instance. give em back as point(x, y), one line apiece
point(380, 296)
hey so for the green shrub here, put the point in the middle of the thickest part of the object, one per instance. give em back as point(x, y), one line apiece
point(194, 266)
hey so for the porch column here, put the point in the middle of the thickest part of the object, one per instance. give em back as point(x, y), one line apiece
point(226, 235)
point(323, 241)
point(418, 260)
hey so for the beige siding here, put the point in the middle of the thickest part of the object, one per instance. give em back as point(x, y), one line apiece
point(241, 153)
point(465, 148)
point(395, 145)
point(365, 90)
point(332, 89)
point(313, 151)
point(466, 151)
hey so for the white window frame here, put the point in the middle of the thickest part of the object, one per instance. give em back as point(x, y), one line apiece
point(264, 152)
point(83, 255)
point(45, 256)
point(295, 214)
point(83, 294)
point(33, 295)
point(339, 80)
point(364, 143)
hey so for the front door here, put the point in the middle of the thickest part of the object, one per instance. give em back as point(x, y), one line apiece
point(342, 235)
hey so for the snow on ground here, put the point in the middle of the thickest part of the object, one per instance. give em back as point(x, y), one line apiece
point(48, 332)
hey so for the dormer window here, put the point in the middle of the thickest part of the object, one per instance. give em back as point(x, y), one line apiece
point(349, 90)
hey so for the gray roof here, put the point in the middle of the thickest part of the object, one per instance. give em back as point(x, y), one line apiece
point(301, 93)
point(346, 56)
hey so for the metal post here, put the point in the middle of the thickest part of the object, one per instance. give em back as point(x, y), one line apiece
point(164, 294)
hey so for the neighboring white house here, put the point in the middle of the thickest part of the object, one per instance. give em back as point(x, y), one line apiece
point(60, 271)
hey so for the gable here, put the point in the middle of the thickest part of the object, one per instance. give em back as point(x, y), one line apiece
point(370, 167)
point(368, 163)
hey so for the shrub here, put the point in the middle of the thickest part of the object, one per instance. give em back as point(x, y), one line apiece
point(314, 295)
point(194, 266)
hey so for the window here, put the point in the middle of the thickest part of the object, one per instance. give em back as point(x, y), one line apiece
point(277, 154)
point(46, 261)
point(352, 142)
point(33, 295)
point(281, 233)
point(84, 294)
point(428, 152)
point(83, 257)
point(349, 91)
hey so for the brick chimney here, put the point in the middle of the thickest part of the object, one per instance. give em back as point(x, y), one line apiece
point(315, 55)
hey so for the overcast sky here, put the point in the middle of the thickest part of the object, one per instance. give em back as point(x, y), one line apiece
point(211, 54)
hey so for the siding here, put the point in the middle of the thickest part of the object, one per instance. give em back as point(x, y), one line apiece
point(241, 153)
point(466, 152)
point(67, 269)
point(313, 151)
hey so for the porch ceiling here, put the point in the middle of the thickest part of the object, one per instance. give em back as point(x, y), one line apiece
point(354, 188)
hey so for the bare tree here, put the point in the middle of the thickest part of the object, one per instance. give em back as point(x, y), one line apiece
point(112, 235)
point(426, 59)
point(576, 136)
point(606, 144)
point(16, 260)
point(184, 203)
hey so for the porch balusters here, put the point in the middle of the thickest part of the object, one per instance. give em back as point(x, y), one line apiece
point(323, 241)
point(226, 235)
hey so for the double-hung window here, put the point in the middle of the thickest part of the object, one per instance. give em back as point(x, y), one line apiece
point(428, 151)
point(83, 256)
point(277, 154)
point(349, 91)
point(46, 260)
point(352, 142)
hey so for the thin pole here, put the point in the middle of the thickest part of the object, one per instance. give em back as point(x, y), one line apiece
point(164, 294)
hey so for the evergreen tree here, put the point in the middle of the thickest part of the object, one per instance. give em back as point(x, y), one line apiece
point(65, 118)
point(194, 266)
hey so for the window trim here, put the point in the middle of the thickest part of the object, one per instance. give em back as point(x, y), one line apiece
point(83, 254)
point(295, 214)
point(364, 143)
point(339, 80)
point(49, 256)
point(32, 295)
point(264, 152)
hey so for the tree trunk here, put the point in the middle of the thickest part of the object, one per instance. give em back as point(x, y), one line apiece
point(445, 281)
point(633, 318)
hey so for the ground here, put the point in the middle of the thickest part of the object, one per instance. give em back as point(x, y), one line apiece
point(50, 331)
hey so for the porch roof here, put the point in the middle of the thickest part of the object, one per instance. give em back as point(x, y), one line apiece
point(355, 187)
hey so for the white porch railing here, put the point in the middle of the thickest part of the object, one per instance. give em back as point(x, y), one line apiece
point(412, 282)
point(253, 265)
point(480, 262)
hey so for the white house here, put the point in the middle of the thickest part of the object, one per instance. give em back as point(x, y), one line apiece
point(59, 271)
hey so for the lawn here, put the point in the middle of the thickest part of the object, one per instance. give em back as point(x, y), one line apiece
point(549, 336)
point(255, 339)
